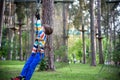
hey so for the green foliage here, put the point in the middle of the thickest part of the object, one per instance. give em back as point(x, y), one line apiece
point(116, 53)
point(60, 51)
point(76, 49)
point(74, 11)
point(77, 21)
point(43, 65)
point(4, 48)
point(25, 41)
point(5, 43)
point(105, 43)
point(20, 11)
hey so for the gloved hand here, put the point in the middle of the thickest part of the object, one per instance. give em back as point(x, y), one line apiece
point(37, 15)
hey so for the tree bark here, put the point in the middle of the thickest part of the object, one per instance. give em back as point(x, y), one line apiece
point(9, 56)
point(114, 41)
point(93, 54)
point(20, 17)
point(20, 42)
point(47, 18)
point(83, 31)
point(101, 60)
point(2, 5)
point(32, 26)
point(64, 31)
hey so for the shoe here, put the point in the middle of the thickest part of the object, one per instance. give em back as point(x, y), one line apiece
point(17, 78)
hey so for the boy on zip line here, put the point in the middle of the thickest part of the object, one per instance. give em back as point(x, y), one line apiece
point(42, 31)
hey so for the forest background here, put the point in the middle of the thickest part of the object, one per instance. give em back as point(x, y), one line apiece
point(85, 31)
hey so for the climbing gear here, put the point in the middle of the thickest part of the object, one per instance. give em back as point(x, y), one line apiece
point(38, 9)
point(38, 4)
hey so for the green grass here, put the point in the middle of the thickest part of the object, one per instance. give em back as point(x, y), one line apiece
point(63, 72)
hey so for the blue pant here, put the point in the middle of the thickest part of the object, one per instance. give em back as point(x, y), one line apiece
point(31, 64)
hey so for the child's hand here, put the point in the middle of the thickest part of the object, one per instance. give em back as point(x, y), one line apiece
point(37, 15)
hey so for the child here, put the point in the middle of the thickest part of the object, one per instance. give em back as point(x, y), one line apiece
point(37, 51)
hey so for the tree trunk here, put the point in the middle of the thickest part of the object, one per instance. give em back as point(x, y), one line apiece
point(64, 32)
point(28, 39)
point(110, 40)
point(114, 41)
point(2, 5)
point(84, 47)
point(83, 30)
point(14, 46)
point(32, 26)
point(20, 42)
point(20, 17)
point(101, 60)
point(93, 54)
point(9, 56)
point(47, 18)
point(109, 33)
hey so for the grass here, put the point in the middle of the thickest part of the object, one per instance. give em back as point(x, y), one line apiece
point(63, 72)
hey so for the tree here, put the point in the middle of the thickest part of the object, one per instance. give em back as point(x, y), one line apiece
point(116, 52)
point(93, 54)
point(83, 30)
point(64, 30)
point(2, 5)
point(75, 49)
point(8, 14)
point(47, 18)
point(81, 21)
point(101, 60)
point(21, 15)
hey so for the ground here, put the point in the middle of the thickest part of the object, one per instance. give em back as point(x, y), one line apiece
point(63, 72)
